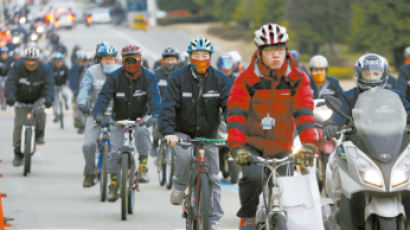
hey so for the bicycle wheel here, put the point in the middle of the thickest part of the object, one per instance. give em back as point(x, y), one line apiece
point(278, 222)
point(124, 186)
point(131, 191)
point(169, 154)
point(162, 165)
point(61, 114)
point(202, 202)
point(27, 151)
point(103, 173)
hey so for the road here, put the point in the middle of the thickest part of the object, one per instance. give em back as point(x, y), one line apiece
point(52, 197)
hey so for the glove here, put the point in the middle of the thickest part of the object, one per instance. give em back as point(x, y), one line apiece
point(242, 156)
point(10, 101)
point(48, 104)
point(101, 120)
point(330, 131)
point(304, 157)
point(84, 109)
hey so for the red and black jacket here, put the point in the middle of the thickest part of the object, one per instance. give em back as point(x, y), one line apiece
point(285, 95)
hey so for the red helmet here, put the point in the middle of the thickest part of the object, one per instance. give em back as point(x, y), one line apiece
point(130, 49)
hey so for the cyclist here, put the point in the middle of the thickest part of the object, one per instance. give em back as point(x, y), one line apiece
point(5, 63)
point(266, 102)
point(131, 88)
point(193, 98)
point(15, 55)
point(237, 60)
point(28, 81)
point(226, 64)
point(60, 74)
point(322, 85)
point(370, 71)
point(170, 57)
point(90, 86)
point(74, 78)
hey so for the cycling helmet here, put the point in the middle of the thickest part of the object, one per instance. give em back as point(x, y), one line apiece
point(32, 53)
point(236, 57)
point(407, 52)
point(170, 52)
point(200, 43)
point(271, 34)
point(130, 50)
point(371, 71)
point(318, 61)
point(225, 63)
point(105, 49)
point(58, 56)
point(295, 54)
point(4, 49)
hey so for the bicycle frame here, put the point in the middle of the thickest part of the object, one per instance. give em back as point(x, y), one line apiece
point(29, 124)
point(105, 138)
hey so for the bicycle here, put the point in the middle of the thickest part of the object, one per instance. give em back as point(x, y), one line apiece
point(60, 105)
point(27, 143)
point(274, 217)
point(127, 175)
point(197, 208)
point(165, 164)
point(104, 149)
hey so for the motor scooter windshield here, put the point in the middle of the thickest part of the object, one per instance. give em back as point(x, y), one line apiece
point(380, 121)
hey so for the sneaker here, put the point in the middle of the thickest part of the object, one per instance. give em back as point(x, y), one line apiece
point(40, 139)
point(18, 159)
point(177, 197)
point(89, 180)
point(247, 223)
point(112, 191)
point(142, 173)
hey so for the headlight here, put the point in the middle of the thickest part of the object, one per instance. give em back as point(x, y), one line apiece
point(368, 171)
point(22, 20)
point(15, 40)
point(34, 37)
point(322, 113)
point(401, 170)
point(40, 29)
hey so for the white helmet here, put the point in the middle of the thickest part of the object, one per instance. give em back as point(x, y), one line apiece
point(370, 71)
point(318, 61)
point(236, 57)
point(407, 52)
point(271, 34)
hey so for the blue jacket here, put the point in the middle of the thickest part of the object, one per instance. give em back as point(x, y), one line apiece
point(403, 81)
point(330, 87)
point(349, 99)
point(130, 97)
point(74, 78)
point(189, 108)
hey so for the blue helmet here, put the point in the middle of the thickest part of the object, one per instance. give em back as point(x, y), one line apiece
point(200, 43)
point(4, 49)
point(58, 56)
point(295, 54)
point(105, 49)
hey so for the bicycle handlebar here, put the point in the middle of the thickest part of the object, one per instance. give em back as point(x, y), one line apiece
point(198, 141)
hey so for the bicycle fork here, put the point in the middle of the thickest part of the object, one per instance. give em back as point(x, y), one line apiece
point(28, 125)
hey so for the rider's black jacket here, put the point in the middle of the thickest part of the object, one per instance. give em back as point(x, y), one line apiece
point(28, 86)
point(330, 87)
point(132, 98)
point(60, 74)
point(162, 75)
point(192, 105)
point(5, 66)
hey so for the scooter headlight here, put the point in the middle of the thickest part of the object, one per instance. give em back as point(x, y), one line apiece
point(401, 170)
point(368, 171)
point(322, 113)
point(40, 29)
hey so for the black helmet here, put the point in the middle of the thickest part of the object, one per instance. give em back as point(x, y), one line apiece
point(170, 52)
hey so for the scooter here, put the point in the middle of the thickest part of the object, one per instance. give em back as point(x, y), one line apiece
point(322, 113)
point(373, 162)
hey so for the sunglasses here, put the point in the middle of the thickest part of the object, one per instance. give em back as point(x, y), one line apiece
point(132, 60)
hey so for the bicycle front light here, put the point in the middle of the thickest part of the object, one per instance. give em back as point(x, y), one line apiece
point(401, 170)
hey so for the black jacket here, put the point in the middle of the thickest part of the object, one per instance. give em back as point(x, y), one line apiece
point(330, 87)
point(60, 74)
point(131, 97)
point(162, 75)
point(26, 86)
point(187, 109)
point(5, 66)
point(403, 81)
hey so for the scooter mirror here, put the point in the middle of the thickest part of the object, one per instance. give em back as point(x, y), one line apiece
point(336, 105)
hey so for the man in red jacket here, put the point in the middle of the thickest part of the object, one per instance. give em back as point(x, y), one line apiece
point(265, 103)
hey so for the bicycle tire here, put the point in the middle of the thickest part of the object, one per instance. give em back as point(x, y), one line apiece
point(103, 173)
point(27, 151)
point(233, 173)
point(162, 165)
point(131, 192)
point(61, 114)
point(124, 183)
point(202, 202)
point(169, 167)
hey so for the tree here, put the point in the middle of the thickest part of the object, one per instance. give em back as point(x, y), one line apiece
point(170, 5)
point(381, 26)
point(255, 13)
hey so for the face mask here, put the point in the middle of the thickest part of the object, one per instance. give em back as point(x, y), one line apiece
point(319, 78)
point(200, 66)
point(31, 67)
point(109, 68)
point(131, 64)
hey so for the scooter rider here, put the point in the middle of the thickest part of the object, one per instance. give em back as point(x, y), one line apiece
point(60, 74)
point(266, 102)
point(28, 81)
point(370, 71)
point(90, 87)
point(193, 98)
point(132, 88)
point(322, 85)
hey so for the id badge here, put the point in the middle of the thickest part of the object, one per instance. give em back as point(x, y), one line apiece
point(268, 122)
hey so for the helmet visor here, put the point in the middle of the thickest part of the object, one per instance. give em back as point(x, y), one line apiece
point(372, 73)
